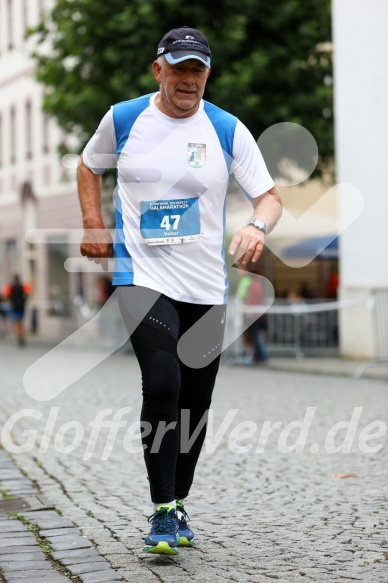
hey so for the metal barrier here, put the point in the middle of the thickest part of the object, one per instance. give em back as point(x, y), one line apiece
point(302, 329)
point(378, 304)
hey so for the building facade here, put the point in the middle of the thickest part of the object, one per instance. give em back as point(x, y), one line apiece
point(361, 94)
point(36, 191)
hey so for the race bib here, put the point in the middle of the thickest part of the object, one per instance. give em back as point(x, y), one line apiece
point(169, 222)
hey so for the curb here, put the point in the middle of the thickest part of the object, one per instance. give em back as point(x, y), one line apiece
point(36, 543)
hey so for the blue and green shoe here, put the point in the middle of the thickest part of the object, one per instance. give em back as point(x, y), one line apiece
point(163, 537)
point(186, 535)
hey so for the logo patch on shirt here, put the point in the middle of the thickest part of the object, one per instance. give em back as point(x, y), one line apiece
point(196, 155)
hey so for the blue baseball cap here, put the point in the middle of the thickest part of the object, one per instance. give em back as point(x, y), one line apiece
point(180, 44)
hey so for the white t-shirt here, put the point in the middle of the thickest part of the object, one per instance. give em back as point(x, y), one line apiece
point(172, 179)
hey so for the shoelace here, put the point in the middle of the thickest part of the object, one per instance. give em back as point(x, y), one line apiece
point(185, 517)
point(163, 521)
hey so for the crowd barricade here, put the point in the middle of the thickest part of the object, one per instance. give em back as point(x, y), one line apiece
point(378, 305)
point(308, 328)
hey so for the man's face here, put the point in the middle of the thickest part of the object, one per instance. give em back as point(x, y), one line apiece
point(181, 86)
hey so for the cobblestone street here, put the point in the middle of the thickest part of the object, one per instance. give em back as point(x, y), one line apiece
point(260, 512)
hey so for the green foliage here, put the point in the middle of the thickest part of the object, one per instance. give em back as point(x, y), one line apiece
point(5, 495)
point(271, 62)
point(15, 516)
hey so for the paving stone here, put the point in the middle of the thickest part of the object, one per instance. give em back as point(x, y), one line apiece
point(62, 543)
point(12, 526)
point(14, 534)
point(81, 560)
point(18, 549)
point(26, 539)
point(100, 578)
point(16, 484)
point(9, 474)
point(119, 560)
point(54, 532)
point(44, 576)
point(46, 520)
point(36, 555)
point(89, 567)
point(114, 547)
point(69, 554)
point(17, 565)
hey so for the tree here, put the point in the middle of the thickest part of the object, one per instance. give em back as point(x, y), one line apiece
point(271, 61)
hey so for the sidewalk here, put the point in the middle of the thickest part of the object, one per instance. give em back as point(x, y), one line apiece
point(36, 543)
point(261, 511)
point(336, 366)
point(328, 366)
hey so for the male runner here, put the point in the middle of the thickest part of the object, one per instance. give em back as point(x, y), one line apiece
point(175, 154)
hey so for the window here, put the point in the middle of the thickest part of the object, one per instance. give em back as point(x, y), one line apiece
point(58, 278)
point(10, 24)
point(1, 140)
point(25, 17)
point(28, 130)
point(12, 137)
point(12, 257)
point(45, 133)
point(46, 175)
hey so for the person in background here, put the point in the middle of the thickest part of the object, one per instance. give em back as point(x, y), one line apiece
point(3, 316)
point(255, 297)
point(305, 291)
point(18, 298)
point(105, 290)
point(332, 285)
point(251, 291)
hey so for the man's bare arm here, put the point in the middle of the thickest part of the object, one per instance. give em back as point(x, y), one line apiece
point(96, 243)
point(248, 242)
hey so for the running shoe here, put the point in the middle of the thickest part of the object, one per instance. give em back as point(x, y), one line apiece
point(186, 535)
point(163, 536)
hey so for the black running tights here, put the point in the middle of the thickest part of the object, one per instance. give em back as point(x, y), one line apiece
point(171, 386)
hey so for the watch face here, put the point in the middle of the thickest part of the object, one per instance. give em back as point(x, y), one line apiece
point(260, 225)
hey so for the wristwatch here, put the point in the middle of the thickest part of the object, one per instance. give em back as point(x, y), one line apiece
point(259, 224)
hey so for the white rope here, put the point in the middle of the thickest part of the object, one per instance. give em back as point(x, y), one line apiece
point(301, 308)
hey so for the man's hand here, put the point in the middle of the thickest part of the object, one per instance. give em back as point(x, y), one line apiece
point(97, 245)
point(247, 244)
